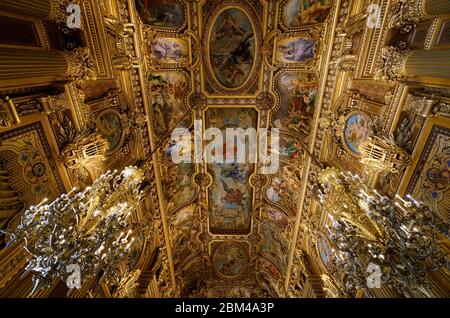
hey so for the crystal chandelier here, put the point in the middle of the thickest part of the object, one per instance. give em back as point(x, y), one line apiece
point(84, 232)
point(369, 230)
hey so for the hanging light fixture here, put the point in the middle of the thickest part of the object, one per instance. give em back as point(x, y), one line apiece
point(397, 237)
point(84, 232)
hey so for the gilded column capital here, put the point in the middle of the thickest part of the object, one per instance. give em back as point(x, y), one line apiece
point(392, 63)
point(406, 12)
point(80, 66)
point(58, 10)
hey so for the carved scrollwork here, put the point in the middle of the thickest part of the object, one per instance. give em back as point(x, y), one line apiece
point(58, 10)
point(347, 63)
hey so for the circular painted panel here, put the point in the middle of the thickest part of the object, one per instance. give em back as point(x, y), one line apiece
point(229, 259)
point(109, 126)
point(358, 128)
point(232, 48)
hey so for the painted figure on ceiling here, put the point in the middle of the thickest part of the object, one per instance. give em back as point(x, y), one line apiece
point(229, 27)
point(233, 199)
point(313, 11)
point(232, 48)
point(167, 49)
point(298, 50)
point(161, 13)
point(302, 12)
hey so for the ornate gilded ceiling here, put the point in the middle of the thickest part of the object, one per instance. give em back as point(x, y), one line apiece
point(319, 71)
point(234, 64)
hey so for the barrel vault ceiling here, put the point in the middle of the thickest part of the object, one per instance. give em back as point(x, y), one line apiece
point(235, 63)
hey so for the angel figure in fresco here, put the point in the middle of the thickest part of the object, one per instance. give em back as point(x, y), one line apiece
point(298, 50)
point(166, 49)
point(298, 86)
point(275, 191)
point(228, 28)
point(232, 72)
point(313, 11)
point(232, 171)
point(233, 199)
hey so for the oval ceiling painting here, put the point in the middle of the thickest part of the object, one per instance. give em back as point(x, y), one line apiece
point(358, 128)
point(232, 48)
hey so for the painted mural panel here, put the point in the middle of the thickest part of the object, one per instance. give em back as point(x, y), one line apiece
point(232, 48)
point(283, 190)
point(227, 292)
point(297, 13)
point(184, 243)
point(274, 246)
point(289, 147)
point(161, 13)
point(276, 216)
point(167, 91)
point(431, 180)
point(298, 93)
point(293, 50)
point(230, 195)
point(110, 127)
point(230, 259)
point(169, 50)
point(178, 188)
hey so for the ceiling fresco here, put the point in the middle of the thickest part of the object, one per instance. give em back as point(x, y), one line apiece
point(234, 64)
point(257, 126)
point(230, 194)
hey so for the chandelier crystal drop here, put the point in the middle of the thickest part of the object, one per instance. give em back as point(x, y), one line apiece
point(89, 229)
point(398, 236)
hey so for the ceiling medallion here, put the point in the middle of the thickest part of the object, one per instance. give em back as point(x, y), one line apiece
point(229, 260)
point(259, 180)
point(232, 47)
point(265, 101)
point(202, 180)
point(198, 101)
